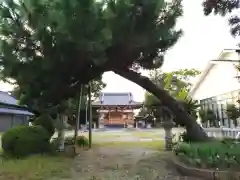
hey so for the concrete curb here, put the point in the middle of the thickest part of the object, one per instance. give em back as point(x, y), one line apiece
point(205, 173)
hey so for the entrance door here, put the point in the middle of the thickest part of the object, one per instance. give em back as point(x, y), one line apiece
point(116, 118)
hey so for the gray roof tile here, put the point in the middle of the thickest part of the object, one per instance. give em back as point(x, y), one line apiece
point(15, 111)
point(9, 101)
point(116, 99)
point(6, 98)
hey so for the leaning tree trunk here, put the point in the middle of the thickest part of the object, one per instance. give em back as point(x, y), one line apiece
point(193, 128)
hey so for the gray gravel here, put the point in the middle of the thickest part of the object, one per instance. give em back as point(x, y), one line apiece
point(108, 163)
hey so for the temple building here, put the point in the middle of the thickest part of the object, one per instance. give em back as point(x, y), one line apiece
point(116, 109)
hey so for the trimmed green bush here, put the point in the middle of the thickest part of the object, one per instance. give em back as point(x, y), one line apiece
point(46, 121)
point(82, 141)
point(25, 140)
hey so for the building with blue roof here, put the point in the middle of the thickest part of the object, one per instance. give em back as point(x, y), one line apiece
point(11, 114)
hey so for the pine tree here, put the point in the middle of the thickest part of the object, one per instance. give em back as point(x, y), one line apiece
point(55, 46)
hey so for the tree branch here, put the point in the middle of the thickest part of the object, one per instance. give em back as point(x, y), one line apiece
point(193, 128)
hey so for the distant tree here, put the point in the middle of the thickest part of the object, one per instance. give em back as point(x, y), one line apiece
point(203, 115)
point(208, 115)
point(233, 113)
point(143, 112)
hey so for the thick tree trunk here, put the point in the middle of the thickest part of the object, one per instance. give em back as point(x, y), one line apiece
point(192, 127)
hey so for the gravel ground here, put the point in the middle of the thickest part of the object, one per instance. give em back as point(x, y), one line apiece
point(111, 163)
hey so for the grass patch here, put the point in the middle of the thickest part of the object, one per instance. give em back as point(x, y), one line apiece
point(147, 134)
point(97, 136)
point(135, 134)
point(156, 145)
point(38, 167)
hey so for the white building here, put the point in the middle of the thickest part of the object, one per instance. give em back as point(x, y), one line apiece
point(218, 85)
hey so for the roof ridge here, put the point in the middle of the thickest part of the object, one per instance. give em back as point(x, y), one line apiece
point(116, 98)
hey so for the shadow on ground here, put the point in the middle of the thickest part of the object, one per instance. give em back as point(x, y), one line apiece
point(108, 163)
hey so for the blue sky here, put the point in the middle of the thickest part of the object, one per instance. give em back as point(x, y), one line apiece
point(203, 39)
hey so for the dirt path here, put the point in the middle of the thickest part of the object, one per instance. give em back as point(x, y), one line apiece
point(117, 163)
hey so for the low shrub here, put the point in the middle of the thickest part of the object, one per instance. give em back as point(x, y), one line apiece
point(46, 121)
point(213, 154)
point(181, 148)
point(82, 141)
point(184, 137)
point(25, 140)
point(229, 141)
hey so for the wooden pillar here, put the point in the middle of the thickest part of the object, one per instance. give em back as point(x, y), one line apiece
point(109, 117)
point(132, 123)
point(123, 119)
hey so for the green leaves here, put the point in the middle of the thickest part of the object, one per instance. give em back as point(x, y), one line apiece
point(207, 115)
point(52, 47)
point(42, 47)
point(212, 154)
point(233, 113)
point(5, 13)
point(223, 7)
point(191, 106)
point(178, 84)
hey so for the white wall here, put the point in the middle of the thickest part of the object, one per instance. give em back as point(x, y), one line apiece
point(220, 79)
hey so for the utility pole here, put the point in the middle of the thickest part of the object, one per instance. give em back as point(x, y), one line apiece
point(86, 113)
point(90, 114)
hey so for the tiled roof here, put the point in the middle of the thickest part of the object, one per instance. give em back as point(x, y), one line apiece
point(116, 99)
point(9, 101)
point(15, 111)
point(6, 98)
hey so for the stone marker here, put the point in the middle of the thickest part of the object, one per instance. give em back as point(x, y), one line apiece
point(168, 125)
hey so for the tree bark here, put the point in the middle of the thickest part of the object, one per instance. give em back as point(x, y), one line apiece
point(193, 128)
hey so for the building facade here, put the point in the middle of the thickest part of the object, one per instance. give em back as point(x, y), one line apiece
point(219, 104)
point(218, 86)
point(11, 114)
point(116, 109)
